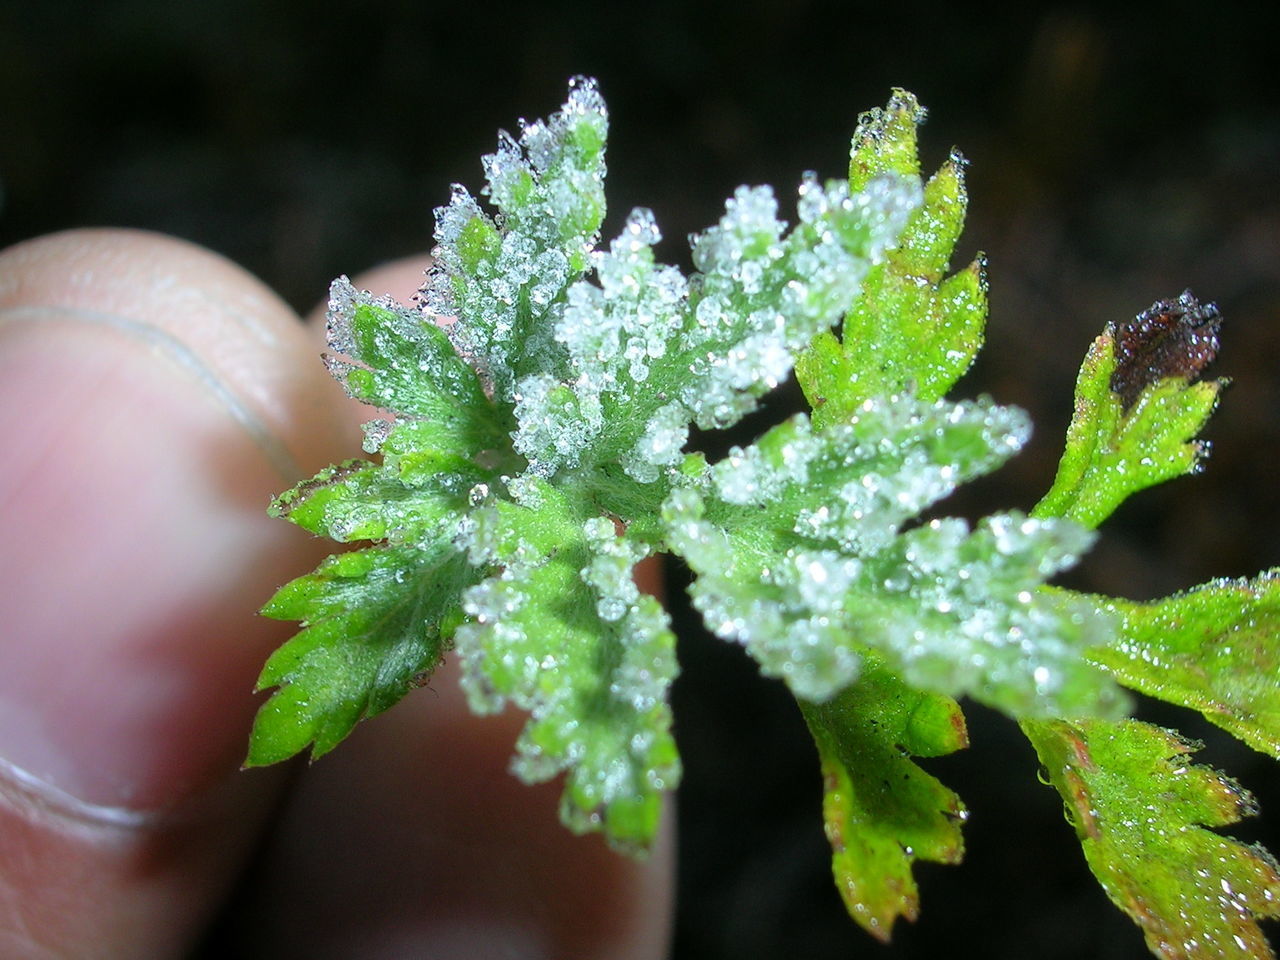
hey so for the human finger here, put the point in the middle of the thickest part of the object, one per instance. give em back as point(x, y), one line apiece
point(413, 839)
point(154, 395)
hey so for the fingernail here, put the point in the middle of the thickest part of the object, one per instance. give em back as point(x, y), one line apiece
point(136, 553)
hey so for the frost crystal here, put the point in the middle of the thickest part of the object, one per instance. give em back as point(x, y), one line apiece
point(502, 279)
point(954, 611)
point(761, 296)
point(648, 351)
point(561, 630)
point(539, 401)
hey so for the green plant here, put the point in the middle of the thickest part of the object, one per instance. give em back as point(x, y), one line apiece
point(535, 454)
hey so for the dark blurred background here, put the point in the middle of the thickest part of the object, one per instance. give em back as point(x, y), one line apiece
point(1117, 157)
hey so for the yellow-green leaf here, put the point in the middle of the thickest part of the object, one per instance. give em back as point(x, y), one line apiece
point(882, 812)
point(1142, 811)
point(1215, 649)
point(912, 328)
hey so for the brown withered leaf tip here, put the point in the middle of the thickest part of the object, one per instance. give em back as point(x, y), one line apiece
point(1171, 338)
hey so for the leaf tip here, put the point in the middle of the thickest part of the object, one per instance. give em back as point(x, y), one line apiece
point(1171, 338)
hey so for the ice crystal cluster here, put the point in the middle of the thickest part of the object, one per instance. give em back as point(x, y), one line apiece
point(540, 397)
point(954, 610)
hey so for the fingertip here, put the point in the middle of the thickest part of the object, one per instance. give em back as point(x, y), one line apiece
point(198, 309)
point(451, 856)
point(164, 396)
point(416, 840)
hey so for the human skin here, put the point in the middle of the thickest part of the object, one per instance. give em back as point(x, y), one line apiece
point(153, 396)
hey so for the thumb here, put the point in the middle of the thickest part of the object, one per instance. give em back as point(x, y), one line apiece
point(154, 396)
